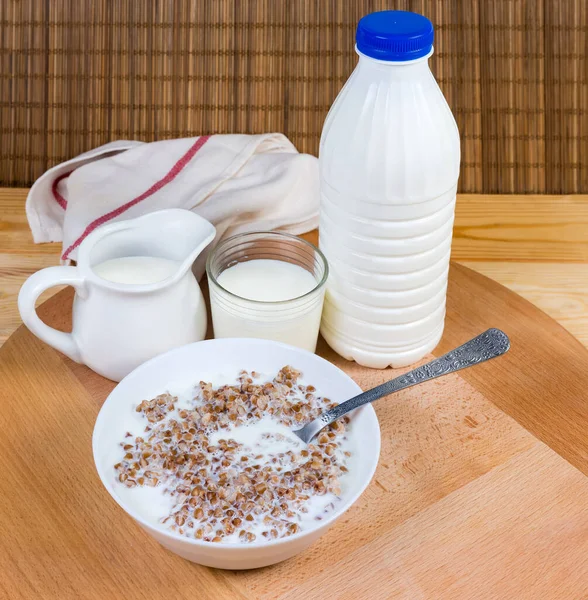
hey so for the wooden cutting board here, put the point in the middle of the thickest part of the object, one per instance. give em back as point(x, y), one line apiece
point(480, 491)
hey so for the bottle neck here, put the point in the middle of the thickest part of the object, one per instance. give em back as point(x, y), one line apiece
point(409, 68)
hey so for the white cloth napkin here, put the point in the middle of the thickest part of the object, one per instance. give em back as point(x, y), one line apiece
point(238, 182)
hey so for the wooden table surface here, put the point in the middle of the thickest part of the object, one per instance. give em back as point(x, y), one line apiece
point(480, 491)
point(535, 245)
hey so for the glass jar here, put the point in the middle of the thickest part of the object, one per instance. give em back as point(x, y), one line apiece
point(294, 320)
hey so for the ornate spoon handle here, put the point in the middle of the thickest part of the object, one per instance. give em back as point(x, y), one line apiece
point(487, 345)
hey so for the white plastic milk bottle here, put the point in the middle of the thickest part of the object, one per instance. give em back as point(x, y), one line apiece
point(389, 163)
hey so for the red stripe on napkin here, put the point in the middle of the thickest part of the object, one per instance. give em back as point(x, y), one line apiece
point(58, 197)
point(171, 175)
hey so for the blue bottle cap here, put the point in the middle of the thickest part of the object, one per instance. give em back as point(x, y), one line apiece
point(394, 35)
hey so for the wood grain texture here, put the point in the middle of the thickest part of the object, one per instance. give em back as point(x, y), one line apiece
point(554, 409)
point(532, 531)
point(75, 74)
point(465, 502)
point(521, 228)
point(559, 289)
point(19, 257)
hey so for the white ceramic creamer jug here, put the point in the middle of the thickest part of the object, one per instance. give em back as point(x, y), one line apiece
point(389, 164)
point(117, 326)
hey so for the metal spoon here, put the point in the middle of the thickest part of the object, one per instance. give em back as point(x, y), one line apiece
point(487, 345)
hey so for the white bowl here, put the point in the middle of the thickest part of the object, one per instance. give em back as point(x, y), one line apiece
point(219, 361)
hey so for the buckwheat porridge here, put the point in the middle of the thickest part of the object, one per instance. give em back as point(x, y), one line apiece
point(222, 465)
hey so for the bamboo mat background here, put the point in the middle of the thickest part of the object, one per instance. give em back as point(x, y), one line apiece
point(75, 74)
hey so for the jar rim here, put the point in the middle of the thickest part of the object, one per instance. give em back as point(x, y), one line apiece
point(269, 234)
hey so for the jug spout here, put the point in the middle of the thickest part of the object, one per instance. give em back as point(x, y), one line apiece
point(177, 234)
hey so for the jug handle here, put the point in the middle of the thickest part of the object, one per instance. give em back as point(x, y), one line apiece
point(32, 288)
